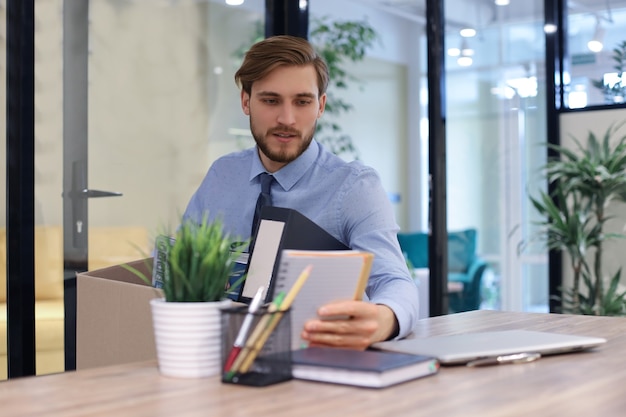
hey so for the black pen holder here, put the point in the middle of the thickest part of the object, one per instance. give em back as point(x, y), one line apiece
point(265, 358)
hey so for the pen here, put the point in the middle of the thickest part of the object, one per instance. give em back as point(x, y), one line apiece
point(505, 359)
point(275, 319)
point(240, 340)
point(255, 335)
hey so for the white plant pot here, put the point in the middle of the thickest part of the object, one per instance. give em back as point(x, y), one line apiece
point(188, 337)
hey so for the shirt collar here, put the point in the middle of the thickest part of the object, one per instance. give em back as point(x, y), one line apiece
point(291, 173)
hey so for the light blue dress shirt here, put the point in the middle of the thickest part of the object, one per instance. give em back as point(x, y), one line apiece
point(346, 199)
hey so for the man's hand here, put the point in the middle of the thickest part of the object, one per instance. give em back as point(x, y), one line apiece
point(350, 324)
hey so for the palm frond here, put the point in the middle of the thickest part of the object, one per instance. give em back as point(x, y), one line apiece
point(584, 181)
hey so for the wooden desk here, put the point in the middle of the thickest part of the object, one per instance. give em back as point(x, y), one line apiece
point(578, 384)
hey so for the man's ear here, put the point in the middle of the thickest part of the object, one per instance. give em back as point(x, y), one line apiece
point(320, 111)
point(245, 103)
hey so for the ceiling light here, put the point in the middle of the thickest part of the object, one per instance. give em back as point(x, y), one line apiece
point(468, 32)
point(550, 28)
point(464, 61)
point(502, 2)
point(454, 52)
point(234, 2)
point(596, 43)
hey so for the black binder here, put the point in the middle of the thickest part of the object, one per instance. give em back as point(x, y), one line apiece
point(281, 228)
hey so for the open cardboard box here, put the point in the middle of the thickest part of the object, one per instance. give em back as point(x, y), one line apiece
point(113, 317)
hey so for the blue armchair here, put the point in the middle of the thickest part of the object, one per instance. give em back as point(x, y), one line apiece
point(463, 264)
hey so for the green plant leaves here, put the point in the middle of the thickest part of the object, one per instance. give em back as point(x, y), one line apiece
point(584, 182)
point(200, 262)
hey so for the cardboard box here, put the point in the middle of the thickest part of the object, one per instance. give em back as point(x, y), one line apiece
point(113, 317)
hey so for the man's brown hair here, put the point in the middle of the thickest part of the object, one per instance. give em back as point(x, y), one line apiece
point(283, 50)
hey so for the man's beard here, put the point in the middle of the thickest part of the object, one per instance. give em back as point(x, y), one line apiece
point(282, 155)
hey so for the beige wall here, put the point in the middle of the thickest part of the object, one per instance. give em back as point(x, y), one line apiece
point(578, 125)
point(148, 110)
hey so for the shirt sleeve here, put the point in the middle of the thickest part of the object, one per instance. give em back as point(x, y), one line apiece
point(370, 225)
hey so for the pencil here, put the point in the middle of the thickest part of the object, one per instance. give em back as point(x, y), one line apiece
point(275, 319)
point(263, 322)
point(240, 340)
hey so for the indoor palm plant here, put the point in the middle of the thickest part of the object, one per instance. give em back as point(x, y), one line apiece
point(196, 265)
point(585, 181)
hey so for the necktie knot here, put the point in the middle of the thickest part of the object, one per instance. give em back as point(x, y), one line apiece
point(266, 182)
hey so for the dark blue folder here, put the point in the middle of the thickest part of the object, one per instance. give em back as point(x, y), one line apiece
point(298, 232)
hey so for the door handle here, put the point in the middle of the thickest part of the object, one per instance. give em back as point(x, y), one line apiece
point(87, 193)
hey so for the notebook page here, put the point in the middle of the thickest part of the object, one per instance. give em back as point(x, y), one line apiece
point(336, 275)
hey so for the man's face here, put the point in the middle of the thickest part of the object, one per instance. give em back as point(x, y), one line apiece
point(283, 108)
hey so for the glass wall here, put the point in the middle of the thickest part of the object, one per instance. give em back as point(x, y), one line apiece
point(495, 121)
point(162, 104)
point(382, 94)
point(49, 312)
point(495, 84)
point(596, 42)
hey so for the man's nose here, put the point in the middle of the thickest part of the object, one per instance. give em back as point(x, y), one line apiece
point(286, 115)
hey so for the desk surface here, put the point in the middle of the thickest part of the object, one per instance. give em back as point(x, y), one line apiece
point(577, 384)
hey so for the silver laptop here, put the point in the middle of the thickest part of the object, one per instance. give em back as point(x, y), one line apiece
point(463, 348)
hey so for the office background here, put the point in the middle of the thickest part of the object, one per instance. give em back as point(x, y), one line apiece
point(158, 104)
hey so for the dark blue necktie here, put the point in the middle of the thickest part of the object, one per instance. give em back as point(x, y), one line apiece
point(265, 199)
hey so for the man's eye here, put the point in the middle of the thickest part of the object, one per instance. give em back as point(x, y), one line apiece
point(304, 102)
point(270, 101)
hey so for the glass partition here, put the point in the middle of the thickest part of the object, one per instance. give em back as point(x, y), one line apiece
point(495, 120)
point(596, 53)
point(49, 312)
point(161, 104)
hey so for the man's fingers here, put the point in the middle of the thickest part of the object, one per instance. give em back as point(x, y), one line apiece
point(344, 327)
point(349, 308)
point(349, 341)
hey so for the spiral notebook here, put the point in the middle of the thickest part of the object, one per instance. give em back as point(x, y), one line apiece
point(336, 275)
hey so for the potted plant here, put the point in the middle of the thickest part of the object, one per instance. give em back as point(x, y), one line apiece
point(585, 181)
point(197, 264)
